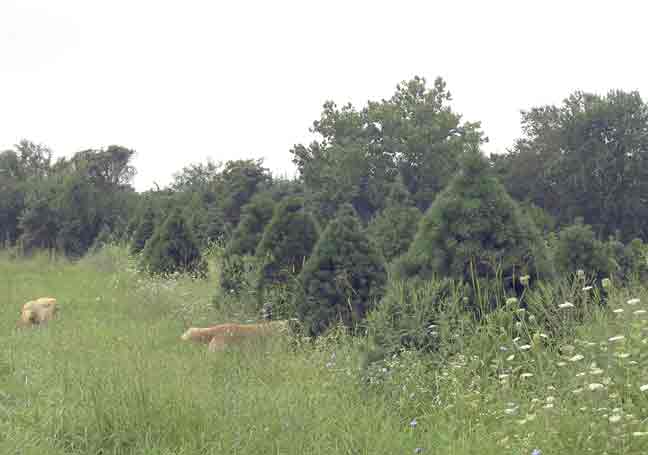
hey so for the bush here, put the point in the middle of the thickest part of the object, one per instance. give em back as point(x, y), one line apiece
point(475, 231)
point(577, 248)
point(415, 316)
point(393, 229)
point(342, 278)
point(173, 249)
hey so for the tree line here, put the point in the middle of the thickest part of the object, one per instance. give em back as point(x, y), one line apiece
point(398, 186)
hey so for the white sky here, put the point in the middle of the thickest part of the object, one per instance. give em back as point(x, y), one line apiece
point(186, 80)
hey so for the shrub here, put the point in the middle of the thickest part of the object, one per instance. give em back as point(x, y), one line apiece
point(342, 278)
point(577, 248)
point(172, 248)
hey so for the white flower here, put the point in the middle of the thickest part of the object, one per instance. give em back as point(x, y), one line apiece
point(525, 347)
point(614, 418)
point(633, 301)
point(640, 433)
point(511, 301)
point(510, 358)
point(587, 288)
point(606, 283)
point(639, 312)
point(643, 388)
point(596, 371)
point(526, 375)
point(566, 305)
point(616, 338)
point(595, 386)
point(618, 311)
point(576, 358)
point(580, 273)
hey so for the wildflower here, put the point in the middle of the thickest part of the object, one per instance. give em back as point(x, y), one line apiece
point(536, 452)
point(640, 433)
point(565, 305)
point(595, 386)
point(614, 418)
point(510, 358)
point(618, 311)
point(643, 388)
point(606, 283)
point(577, 391)
point(524, 280)
point(580, 274)
point(633, 301)
point(639, 312)
point(616, 338)
point(526, 375)
point(525, 347)
point(511, 301)
point(596, 371)
point(587, 288)
point(503, 348)
point(418, 450)
point(413, 423)
point(550, 399)
point(576, 358)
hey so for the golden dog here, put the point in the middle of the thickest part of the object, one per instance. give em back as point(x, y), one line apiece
point(38, 311)
point(220, 336)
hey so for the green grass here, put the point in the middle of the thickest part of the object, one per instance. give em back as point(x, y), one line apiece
point(111, 376)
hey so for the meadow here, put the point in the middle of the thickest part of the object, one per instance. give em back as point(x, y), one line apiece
point(111, 376)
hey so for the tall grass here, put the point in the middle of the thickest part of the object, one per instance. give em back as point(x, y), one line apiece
point(110, 375)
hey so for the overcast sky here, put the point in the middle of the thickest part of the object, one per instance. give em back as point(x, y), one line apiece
point(188, 80)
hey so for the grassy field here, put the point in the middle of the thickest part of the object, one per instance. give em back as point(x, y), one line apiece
point(111, 376)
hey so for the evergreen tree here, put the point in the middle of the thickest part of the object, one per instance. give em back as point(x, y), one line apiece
point(286, 243)
point(342, 278)
point(144, 230)
point(173, 248)
point(394, 228)
point(254, 217)
point(475, 230)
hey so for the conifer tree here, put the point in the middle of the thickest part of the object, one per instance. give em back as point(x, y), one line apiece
point(474, 229)
point(394, 228)
point(344, 276)
point(287, 242)
point(144, 230)
point(254, 217)
point(173, 248)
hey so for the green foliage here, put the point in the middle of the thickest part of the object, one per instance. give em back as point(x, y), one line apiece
point(414, 133)
point(578, 248)
point(244, 240)
point(173, 249)
point(144, 230)
point(412, 317)
point(474, 230)
point(343, 278)
point(393, 229)
point(287, 242)
point(585, 158)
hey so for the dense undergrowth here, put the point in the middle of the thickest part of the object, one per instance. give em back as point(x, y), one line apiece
point(111, 376)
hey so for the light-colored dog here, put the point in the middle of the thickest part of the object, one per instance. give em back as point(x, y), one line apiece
point(38, 311)
point(220, 336)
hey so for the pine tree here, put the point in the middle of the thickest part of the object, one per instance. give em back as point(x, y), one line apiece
point(254, 217)
point(475, 230)
point(287, 242)
point(342, 279)
point(144, 230)
point(394, 228)
point(173, 248)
